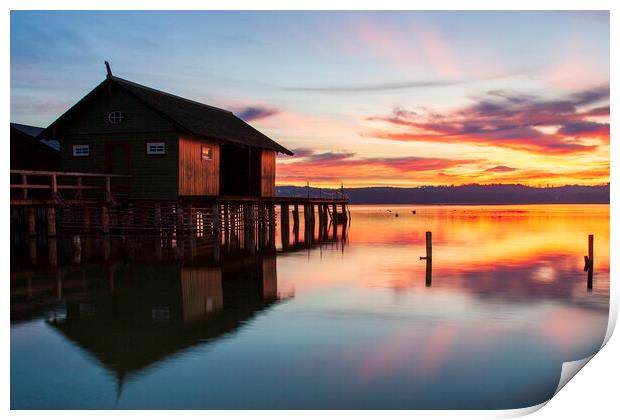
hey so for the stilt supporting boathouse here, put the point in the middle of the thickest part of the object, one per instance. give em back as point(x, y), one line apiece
point(64, 201)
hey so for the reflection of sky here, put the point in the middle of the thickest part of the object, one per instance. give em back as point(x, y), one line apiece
point(508, 304)
point(384, 98)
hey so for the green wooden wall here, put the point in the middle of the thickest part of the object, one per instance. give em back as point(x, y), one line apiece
point(154, 177)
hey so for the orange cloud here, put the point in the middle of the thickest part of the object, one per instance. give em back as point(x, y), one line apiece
point(508, 120)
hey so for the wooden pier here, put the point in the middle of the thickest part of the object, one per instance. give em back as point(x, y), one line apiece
point(90, 203)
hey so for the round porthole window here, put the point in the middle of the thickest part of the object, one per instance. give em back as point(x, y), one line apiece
point(116, 117)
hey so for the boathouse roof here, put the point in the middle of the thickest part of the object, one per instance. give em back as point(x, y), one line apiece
point(193, 117)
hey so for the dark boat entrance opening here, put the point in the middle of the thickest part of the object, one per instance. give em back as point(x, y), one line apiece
point(240, 171)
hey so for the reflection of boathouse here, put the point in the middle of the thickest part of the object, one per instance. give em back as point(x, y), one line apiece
point(156, 310)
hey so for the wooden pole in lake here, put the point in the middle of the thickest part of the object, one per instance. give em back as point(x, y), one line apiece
point(589, 261)
point(429, 246)
point(429, 259)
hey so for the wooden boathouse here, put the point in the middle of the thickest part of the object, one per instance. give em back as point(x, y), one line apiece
point(133, 158)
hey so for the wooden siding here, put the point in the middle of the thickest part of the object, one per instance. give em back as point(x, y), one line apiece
point(153, 177)
point(268, 173)
point(197, 176)
point(202, 293)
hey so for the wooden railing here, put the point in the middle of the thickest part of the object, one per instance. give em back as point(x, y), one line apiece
point(50, 181)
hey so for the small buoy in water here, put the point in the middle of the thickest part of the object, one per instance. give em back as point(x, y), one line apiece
point(396, 215)
point(413, 212)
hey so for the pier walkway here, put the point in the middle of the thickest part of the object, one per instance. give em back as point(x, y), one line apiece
point(43, 202)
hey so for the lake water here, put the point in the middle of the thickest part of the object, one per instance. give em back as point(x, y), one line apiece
point(356, 323)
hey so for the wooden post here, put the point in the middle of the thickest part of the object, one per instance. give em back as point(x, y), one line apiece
point(429, 246)
point(429, 259)
point(53, 252)
point(215, 209)
point(325, 221)
point(190, 219)
point(55, 188)
point(344, 213)
point(271, 211)
point(307, 225)
point(306, 215)
point(59, 284)
point(335, 224)
point(226, 221)
point(32, 251)
point(86, 219)
point(108, 189)
point(284, 235)
point(24, 190)
point(589, 261)
point(335, 214)
point(429, 273)
point(180, 225)
point(296, 223)
point(32, 222)
point(261, 216)
point(296, 216)
point(51, 222)
point(105, 219)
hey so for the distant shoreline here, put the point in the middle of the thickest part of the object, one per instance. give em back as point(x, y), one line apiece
point(501, 194)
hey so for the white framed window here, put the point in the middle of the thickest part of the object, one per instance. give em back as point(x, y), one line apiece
point(81, 150)
point(206, 152)
point(116, 117)
point(156, 148)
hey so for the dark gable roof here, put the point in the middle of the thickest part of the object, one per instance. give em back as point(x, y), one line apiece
point(29, 130)
point(35, 132)
point(195, 118)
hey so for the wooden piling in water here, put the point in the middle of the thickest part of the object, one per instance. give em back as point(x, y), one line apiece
point(31, 214)
point(32, 251)
point(284, 226)
point(589, 261)
point(429, 258)
point(51, 222)
point(190, 219)
point(87, 222)
point(53, 252)
point(429, 246)
point(215, 209)
point(105, 219)
point(226, 221)
point(271, 225)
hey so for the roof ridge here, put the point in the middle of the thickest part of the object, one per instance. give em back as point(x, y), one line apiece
point(121, 80)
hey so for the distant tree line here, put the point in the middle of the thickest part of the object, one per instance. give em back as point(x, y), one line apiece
point(462, 194)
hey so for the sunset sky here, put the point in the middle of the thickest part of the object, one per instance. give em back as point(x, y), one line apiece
point(362, 98)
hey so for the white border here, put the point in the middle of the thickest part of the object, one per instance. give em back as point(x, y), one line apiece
point(594, 394)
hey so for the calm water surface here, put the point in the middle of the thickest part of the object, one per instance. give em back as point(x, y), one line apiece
point(353, 323)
